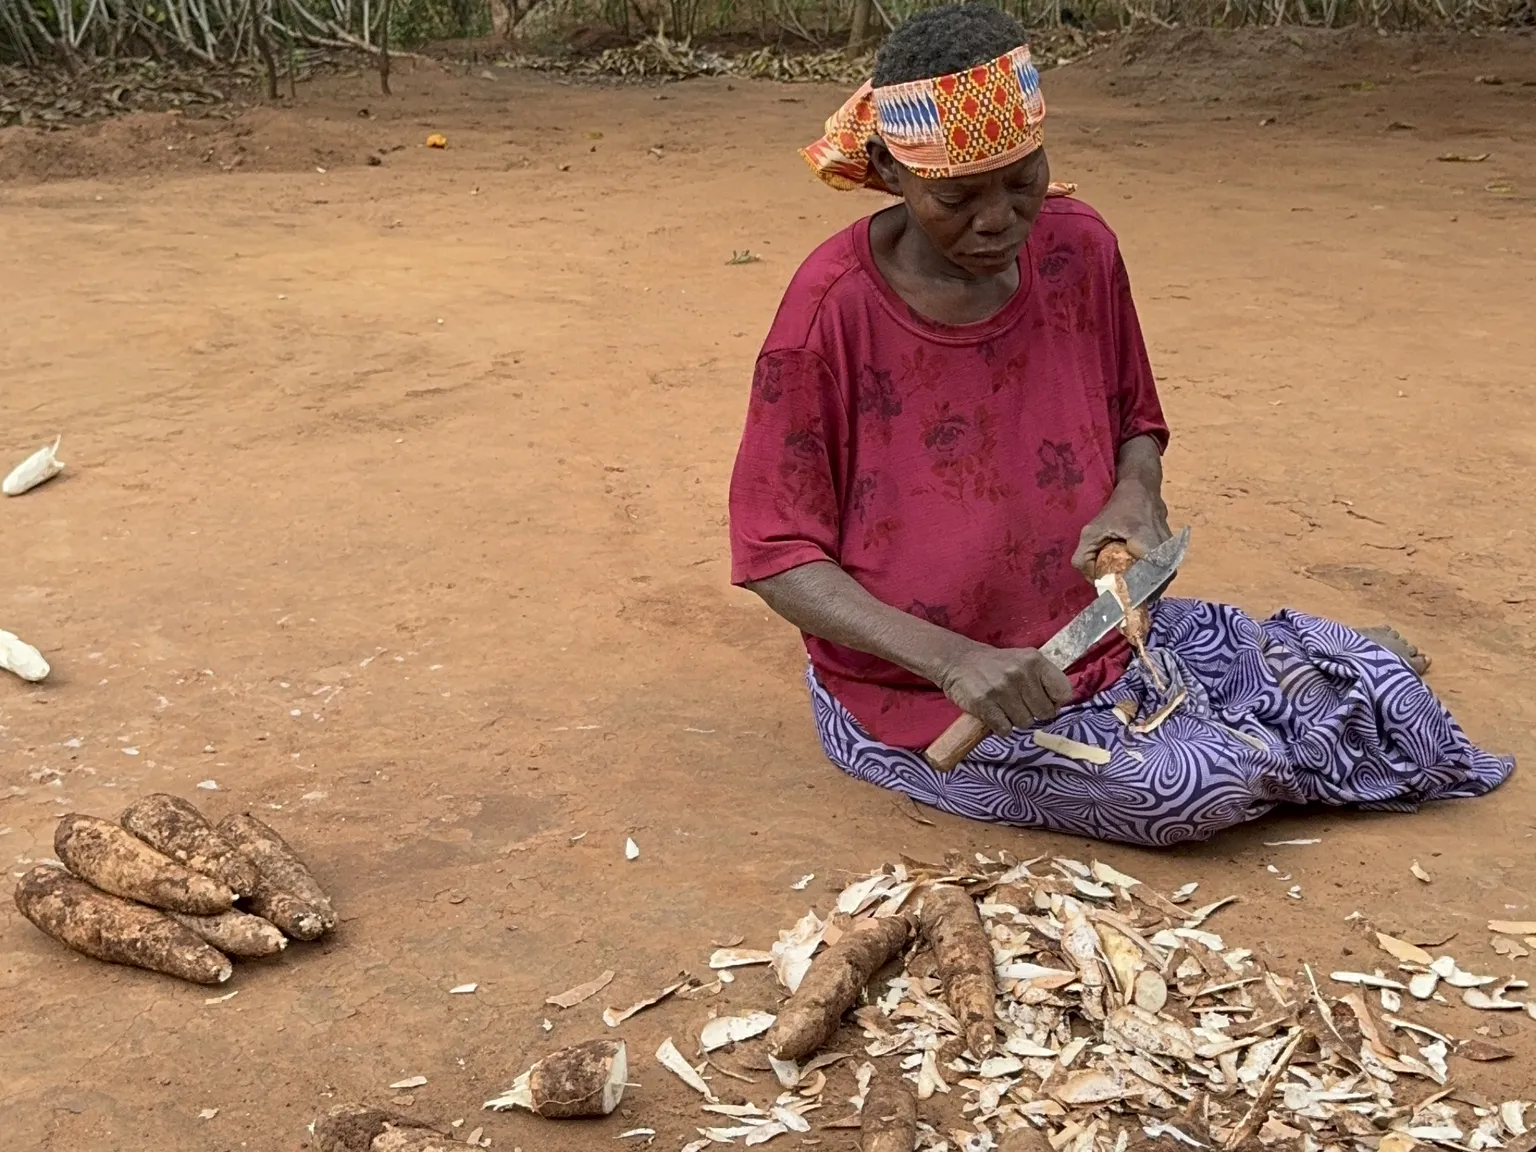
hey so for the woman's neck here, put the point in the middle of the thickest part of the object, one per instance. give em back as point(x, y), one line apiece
point(929, 283)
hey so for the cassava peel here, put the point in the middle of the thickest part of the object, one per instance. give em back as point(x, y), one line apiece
point(412, 1139)
point(836, 977)
point(117, 931)
point(355, 1127)
point(118, 862)
point(952, 927)
point(235, 933)
point(170, 825)
point(890, 1117)
point(279, 865)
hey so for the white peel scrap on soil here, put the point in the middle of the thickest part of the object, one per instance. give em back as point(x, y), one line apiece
point(1513, 927)
point(672, 1060)
point(724, 1031)
point(21, 659)
point(1365, 979)
point(1403, 950)
point(574, 996)
point(613, 1017)
point(409, 1082)
point(43, 465)
point(631, 850)
point(738, 957)
point(793, 950)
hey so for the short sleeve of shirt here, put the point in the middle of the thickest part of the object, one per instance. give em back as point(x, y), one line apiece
point(784, 498)
point(1136, 410)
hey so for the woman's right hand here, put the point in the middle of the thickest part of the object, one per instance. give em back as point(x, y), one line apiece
point(1005, 688)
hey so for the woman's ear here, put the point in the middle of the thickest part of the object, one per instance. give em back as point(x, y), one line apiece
point(885, 165)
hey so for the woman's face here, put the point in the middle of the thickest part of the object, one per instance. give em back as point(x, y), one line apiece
point(978, 223)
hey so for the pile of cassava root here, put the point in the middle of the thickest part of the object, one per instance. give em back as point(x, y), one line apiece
point(160, 888)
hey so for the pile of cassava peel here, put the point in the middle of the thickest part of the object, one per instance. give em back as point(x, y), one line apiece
point(1037, 1006)
point(1056, 1006)
point(159, 890)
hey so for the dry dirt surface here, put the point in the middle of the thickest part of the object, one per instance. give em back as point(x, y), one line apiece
point(396, 509)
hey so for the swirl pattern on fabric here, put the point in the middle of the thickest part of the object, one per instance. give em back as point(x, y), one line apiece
point(1295, 710)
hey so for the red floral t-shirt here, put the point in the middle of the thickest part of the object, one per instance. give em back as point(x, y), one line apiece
point(948, 469)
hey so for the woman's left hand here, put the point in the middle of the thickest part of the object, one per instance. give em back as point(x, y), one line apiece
point(1133, 515)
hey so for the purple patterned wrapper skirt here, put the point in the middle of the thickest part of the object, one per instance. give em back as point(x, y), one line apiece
point(1293, 710)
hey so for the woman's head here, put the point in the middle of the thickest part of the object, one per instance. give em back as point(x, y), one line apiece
point(945, 40)
point(977, 221)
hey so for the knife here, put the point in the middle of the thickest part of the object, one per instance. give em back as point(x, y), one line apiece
point(1144, 580)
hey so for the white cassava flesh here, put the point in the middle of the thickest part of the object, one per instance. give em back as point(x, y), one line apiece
point(20, 658)
point(42, 465)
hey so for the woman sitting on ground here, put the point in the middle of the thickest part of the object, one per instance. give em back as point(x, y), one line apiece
point(952, 414)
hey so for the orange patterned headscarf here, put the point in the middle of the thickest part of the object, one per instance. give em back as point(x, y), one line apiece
point(979, 120)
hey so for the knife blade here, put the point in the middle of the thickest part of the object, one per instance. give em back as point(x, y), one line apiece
point(1144, 580)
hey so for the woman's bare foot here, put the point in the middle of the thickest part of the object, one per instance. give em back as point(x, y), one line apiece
point(1395, 642)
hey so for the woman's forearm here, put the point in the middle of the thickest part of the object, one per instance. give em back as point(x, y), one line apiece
point(1007, 688)
point(825, 601)
point(1139, 467)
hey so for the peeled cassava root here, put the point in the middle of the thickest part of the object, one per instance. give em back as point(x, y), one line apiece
point(117, 931)
point(170, 825)
point(116, 861)
point(889, 1118)
point(17, 656)
point(286, 893)
point(833, 984)
point(584, 1080)
point(952, 927)
point(235, 933)
point(41, 466)
point(357, 1128)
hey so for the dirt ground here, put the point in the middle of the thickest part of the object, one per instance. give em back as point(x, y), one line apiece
point(396, 507)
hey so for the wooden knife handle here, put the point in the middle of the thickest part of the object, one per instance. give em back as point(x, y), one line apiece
point(955, 743)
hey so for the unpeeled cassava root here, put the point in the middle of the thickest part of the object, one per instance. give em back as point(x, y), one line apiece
point(833, 984)
point(286, 894)
point(174, 827)
point(889, 1118)
point(117, 862)
point(117, 931)
point(963, 954)
point(583, 1080)
point(235, 933)
point(1115, 559)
